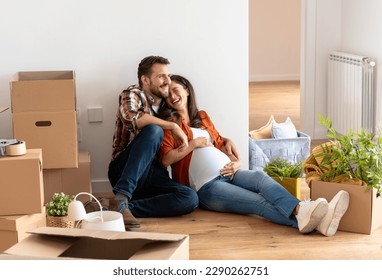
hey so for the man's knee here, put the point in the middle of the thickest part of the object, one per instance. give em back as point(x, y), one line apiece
point(190, 200)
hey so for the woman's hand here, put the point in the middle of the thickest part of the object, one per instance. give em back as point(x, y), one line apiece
point(230, 169)
point(179, 133)
point(230, 148)
point(201, 142)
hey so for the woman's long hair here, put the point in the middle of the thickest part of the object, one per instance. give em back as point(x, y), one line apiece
point(165, 112)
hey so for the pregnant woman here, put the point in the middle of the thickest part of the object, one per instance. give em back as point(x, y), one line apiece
point(207, 167)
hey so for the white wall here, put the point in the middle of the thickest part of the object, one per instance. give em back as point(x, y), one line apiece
point(347, 25)
point(104, 40)
point(274, 40)
point(362, 34)
point(321, 33)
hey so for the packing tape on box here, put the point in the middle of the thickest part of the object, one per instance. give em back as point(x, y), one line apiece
point(12, 147)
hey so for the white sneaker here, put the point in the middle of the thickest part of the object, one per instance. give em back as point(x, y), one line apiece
point(311, 213)
point(337, 208)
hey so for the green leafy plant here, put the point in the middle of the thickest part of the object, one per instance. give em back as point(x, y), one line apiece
point(355, 155)
point(282, 168)
point(58, 206)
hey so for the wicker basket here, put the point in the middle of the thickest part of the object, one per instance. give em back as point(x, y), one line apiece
point(57, 221)
point(261, 151)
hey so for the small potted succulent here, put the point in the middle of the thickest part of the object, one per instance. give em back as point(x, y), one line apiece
point(57, 210)
point(286, 173)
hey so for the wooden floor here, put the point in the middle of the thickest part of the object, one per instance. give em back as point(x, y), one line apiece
point(222, 236)
point(280, 99)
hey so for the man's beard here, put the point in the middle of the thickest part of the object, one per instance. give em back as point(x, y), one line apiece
point(155, 91)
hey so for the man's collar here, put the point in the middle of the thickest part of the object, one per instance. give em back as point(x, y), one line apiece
point(150, 99)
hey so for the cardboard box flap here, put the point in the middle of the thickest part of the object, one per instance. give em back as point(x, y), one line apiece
point(44, 75)
point(108, 235)
point(171, 251)
point(53, 242)
point(41, 246)
point(4, 256)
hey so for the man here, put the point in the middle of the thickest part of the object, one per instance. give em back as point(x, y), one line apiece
point(141, 185)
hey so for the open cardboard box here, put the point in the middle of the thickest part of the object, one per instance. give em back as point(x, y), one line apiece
point(364, 214)
point(52, 242)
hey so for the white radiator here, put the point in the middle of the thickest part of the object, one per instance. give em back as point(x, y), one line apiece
point(350, 92)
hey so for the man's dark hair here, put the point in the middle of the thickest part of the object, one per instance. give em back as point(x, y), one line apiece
point(145, 65)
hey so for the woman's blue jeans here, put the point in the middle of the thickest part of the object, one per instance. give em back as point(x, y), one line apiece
point(137, 174)
point(250, 192)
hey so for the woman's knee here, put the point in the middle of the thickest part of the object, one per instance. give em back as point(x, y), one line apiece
point(261, 175)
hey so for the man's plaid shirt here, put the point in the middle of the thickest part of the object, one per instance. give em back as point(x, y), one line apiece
point(133, 104)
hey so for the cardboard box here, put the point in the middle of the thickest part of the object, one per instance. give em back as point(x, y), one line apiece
point(44, 115)
point(69, 180)
point(43, 91)
point(364, 214)
point(49, 242)
point(54, 132)
point(13, 229)
point(21, 184)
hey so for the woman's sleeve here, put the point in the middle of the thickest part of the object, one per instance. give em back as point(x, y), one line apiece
point(209, 125)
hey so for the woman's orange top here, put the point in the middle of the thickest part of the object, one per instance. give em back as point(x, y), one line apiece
point(180, 169)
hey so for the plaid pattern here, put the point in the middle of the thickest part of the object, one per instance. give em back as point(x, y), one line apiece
point(133, 104)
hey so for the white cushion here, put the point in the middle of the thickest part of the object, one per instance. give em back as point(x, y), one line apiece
point(284, 130)
point(263, 132)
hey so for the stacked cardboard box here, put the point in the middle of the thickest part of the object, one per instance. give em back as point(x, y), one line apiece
point(23, 192)
point(21, 184)
point(21, 196)
point(44, 116)
point(69, 180)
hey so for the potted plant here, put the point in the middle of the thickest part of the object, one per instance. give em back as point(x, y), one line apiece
point(351, 157)
point(57, 211)
point(350, 162)
point(286, 173)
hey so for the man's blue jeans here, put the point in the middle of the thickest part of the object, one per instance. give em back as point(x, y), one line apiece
point(150, 190)
point(250, 192)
